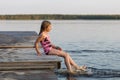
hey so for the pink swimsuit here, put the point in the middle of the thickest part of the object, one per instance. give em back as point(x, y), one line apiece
point(46, 44)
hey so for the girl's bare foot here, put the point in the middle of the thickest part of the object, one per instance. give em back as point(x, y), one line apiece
point(82, 68)
point(71, 71)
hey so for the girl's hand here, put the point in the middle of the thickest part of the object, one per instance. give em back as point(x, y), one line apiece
point(58, 48)
point(39, 54)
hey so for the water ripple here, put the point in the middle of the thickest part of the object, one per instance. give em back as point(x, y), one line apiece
point(93, 51)
point(92, 72)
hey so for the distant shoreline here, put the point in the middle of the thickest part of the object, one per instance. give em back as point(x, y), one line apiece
point(58, 17)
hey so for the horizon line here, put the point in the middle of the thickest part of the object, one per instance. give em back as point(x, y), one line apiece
point(58, 14)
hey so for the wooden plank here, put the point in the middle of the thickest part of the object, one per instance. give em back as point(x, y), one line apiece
point(87, 72)
point(28, 58)
point(26, 68)
point(19, 33)
point(28, 75)
point(17, 38)
point(5, 47)
point(32, 63)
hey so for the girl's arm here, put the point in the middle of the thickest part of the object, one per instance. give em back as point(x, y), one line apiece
point(40, 38)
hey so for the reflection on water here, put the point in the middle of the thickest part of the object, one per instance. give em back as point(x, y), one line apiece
point(90, 72)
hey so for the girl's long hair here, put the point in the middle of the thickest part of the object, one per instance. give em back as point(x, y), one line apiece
point(44, 26)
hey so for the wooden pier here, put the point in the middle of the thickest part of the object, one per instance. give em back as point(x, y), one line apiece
point(18, 59)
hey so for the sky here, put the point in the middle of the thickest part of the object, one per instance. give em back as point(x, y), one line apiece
point(59, 6)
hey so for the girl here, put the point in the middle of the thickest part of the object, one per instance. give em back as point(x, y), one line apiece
point(51, 49)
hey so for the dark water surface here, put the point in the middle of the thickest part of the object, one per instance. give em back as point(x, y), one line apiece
point(93, 43)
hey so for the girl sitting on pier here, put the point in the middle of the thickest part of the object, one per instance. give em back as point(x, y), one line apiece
point(51, 49)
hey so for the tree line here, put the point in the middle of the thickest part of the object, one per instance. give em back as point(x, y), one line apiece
point(58, 17)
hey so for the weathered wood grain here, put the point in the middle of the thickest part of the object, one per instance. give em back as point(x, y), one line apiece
point(17, 52)
point(28, 75)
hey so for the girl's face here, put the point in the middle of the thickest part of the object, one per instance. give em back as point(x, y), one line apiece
point(49, 28)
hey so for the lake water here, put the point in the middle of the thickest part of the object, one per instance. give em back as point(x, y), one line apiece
point(94, 43)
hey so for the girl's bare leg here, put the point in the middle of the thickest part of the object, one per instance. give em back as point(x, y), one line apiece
point(62, 54)
point(75, 65)
point(67, 59)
